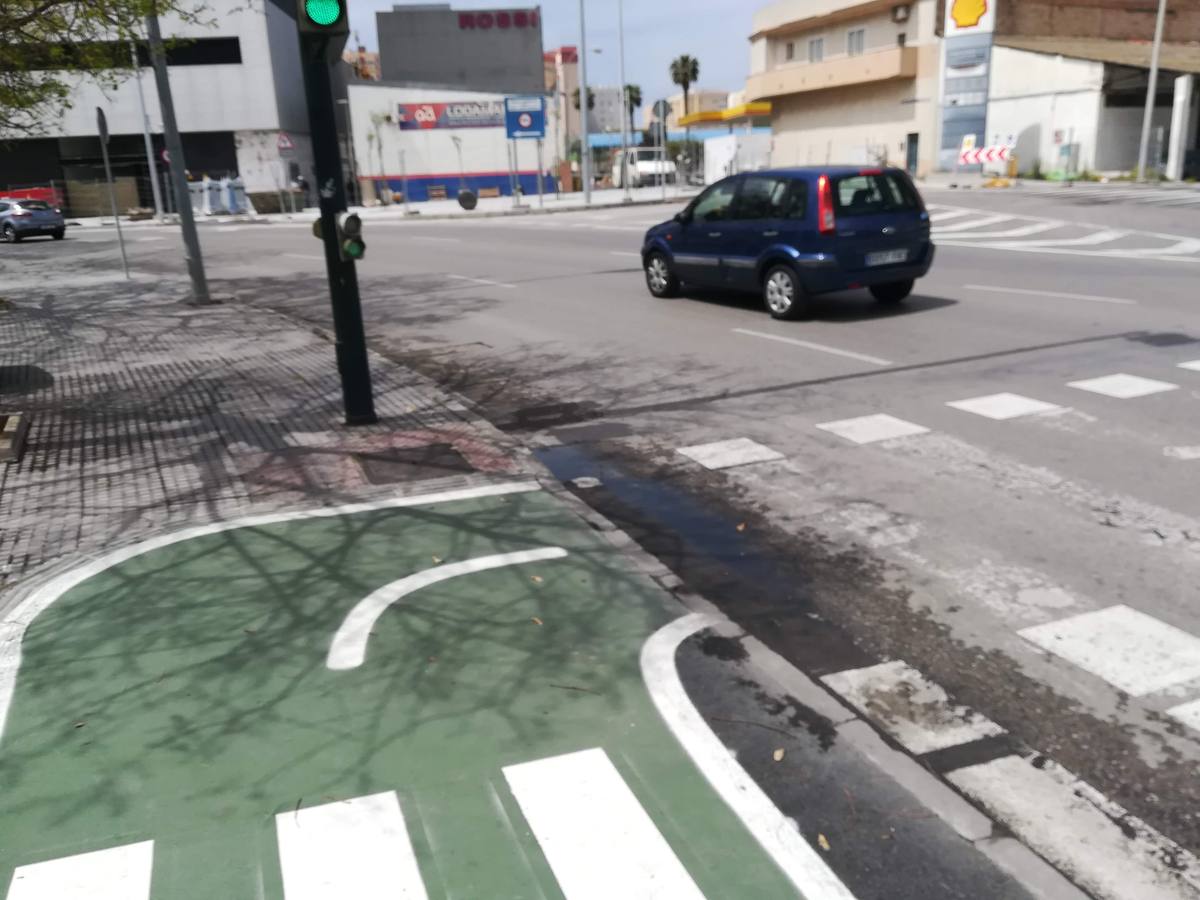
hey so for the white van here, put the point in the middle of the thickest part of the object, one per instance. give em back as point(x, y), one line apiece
point(646, 167)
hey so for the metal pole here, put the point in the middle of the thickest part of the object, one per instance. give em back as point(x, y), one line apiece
point(356, 199)
point(624, 101)
point(183, 202)
point(112, 199)
point(585, 151)
point(662, 152)
point(350, 340)
point(1151, 90)
point(137, 75)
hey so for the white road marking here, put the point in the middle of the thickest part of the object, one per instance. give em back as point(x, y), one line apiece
point(1003, 406)
point(1130, 650)
point(1194, 365)
point(353, 848)
point(597, 838)
point(624, 253)
point(909, 707)
point(1073, 826)
point(1187, 713)
point(869, 429)
point(725, 454)
point(820, 348)
point(949, 213)
point(304, 256)
point(1000, 289)
point(14, 625)
point(348, 649)
point(1122, 386)
point(117, 873)
point(982, 222)
point(150, 240)
point(485, 281)
point(1022, 231)
point(1096, 237)
point(777, 835)
point(1184, 453)
point(438, 240)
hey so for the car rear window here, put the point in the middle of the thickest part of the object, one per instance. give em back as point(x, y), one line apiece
point(33, 204)
point(871, 194)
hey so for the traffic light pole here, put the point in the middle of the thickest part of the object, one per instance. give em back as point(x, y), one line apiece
point(350, 337)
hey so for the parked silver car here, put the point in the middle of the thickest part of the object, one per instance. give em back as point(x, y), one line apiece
point(20, 219)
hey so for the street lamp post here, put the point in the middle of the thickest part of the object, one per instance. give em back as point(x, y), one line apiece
point(585, 151)
point(1151, 90)
point(624, 101)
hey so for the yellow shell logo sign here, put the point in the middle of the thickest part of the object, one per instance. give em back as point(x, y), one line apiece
point(967, 13)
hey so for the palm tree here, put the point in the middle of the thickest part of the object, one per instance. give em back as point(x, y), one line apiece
point(584, 120)
point(685, 71)
point(633, 99)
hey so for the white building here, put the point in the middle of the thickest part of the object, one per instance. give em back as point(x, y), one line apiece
point(236, 86)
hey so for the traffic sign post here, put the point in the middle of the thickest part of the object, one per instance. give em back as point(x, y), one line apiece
point(524, 119)
point(323, 27)
point(102, 128)
point(975, 156)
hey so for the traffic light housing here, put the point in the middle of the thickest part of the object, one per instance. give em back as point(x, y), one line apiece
point(350, 245)
point(327, 17)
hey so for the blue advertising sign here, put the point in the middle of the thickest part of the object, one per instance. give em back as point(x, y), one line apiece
point(525, 117)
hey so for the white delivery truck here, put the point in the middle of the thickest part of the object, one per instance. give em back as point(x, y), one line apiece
point(646, 166)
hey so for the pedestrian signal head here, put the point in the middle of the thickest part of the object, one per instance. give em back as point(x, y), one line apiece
point(350, 243)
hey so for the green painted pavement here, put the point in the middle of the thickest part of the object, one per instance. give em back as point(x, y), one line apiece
point(182, 696)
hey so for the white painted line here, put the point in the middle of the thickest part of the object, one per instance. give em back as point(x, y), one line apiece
point(437, 240)
point(1187, 713)
point(950, 213)
point(982, 222)
point(777, 835)
point(150, 240)
point(624, 253)
point(1194, 365)
point(1109, 853)
point(597, 838)
point(1184, 453)
point(304, 256)
point(820, 348)
point(348, 649)
point(1022, 231)
point(1130, 650)
point(485, 281)
point(909, 707)
point(354, 848)
point(869, 429)
point(1003, 406)
point(1000, 289)
point(1122, 386)
point(725, 454)
point(1096, 237)
point(14, 625)
point(117, 873)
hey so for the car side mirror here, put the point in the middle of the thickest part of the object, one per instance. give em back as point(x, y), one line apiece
point(682, 217)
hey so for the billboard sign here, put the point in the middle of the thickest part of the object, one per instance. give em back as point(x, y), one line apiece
point(465, 114)
point(966, 74)
point(525, 117)
point(970, 17)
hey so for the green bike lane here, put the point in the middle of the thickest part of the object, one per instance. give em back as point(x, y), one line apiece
point(467, 695)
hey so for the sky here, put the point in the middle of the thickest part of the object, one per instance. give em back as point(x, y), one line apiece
point(716, 32)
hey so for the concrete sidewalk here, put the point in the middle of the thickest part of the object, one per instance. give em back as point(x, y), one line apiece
point(147, 415)
point(449, 209)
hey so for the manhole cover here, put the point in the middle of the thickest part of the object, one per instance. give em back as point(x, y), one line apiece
point(1165, 339)
point(412, 464)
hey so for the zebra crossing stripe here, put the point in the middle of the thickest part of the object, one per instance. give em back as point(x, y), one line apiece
point(597, 838)
point(354, 848)
point(117, 873)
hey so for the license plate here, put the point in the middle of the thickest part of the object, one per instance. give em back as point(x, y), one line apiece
point(887, 257)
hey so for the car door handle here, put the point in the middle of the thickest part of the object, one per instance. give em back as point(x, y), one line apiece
point(770, 234)
point(714, 234)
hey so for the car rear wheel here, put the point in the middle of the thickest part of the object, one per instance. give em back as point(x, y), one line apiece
point(783, 295)
point(661, 281)
point(60, 234)
point(893, 292)
point(10, 234)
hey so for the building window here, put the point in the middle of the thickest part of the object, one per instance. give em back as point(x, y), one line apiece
point(789, 51)
point(901, 39)
point(855, 40)
point(816, 49)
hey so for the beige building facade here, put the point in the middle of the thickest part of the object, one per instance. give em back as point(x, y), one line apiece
point(849, 82)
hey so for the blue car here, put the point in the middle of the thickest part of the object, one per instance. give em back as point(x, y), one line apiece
point(792, 233)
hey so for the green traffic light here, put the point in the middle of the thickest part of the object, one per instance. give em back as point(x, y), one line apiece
point(323, 12)
point(354, 249)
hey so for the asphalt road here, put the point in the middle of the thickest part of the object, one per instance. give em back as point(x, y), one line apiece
point(1037, 561)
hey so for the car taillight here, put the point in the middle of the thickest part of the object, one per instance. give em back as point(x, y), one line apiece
point(826, 223)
